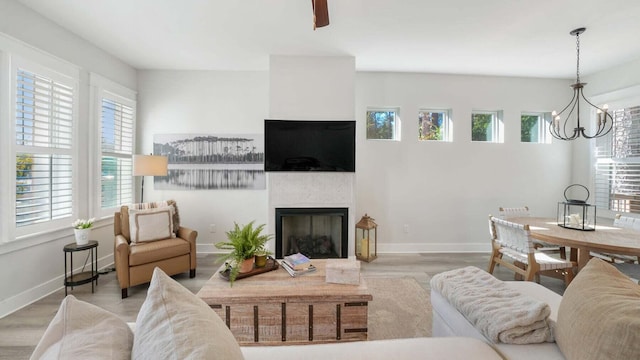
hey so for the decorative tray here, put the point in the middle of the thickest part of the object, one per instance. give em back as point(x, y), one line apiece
point(271, 265)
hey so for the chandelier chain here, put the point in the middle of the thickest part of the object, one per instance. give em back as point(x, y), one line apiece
point(578, 58)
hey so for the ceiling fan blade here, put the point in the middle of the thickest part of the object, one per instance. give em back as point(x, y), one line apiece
point(320, 13)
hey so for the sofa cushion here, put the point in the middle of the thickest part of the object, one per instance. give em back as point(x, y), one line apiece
point(151, 224)
point(412, 348)
point(174, 321)
point(599, 315)
point(84, 331)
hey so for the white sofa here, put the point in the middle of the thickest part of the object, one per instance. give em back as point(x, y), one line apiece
point(175, 324)
point(447, 321)
point(597, 318)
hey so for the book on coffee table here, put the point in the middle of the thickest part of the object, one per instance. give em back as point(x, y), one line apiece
point(294, 273)
point(297, 261)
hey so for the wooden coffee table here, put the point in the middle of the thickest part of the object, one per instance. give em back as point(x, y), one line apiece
point(273, 308)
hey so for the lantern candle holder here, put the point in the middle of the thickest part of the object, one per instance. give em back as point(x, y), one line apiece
point(366, 239)
point(575, 213)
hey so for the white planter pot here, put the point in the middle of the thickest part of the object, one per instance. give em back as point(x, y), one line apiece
point(82, 236)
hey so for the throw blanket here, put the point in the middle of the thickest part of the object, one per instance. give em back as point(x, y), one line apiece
point(498, 312)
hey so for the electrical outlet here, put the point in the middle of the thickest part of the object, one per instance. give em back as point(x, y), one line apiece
point(212, 228)
point(405, 228)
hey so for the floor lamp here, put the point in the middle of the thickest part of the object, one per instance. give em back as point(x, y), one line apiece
point(149, 165)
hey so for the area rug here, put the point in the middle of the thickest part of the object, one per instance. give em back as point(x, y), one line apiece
point(401, 308)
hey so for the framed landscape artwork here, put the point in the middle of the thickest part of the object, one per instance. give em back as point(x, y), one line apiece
point(211, 162)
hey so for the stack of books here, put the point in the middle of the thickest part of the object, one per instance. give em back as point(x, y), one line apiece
point(297, 264)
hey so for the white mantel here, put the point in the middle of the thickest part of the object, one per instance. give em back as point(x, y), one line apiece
point(313, 190)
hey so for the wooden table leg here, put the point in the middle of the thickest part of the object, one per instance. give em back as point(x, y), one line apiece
point(583, 258)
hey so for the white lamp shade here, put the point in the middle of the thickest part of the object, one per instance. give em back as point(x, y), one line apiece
point(150, 165)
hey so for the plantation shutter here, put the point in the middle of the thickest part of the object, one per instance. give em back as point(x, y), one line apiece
point(617, 179)
point(117, 124)
point(44, 139)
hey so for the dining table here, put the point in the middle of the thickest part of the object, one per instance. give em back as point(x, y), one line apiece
point(605, 238)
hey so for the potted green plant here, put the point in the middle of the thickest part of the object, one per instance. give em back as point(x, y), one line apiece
point(243, 242)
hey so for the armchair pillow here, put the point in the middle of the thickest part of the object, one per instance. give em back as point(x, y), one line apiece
point(159, 204)
point(151, 224)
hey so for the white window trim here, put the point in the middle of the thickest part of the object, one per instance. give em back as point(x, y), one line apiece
point(10, 51)
point(622, 98)
point(544, 137)
point(101, 87)
point(397, 127)
point(67, 78)
point(447, 124)
point(497, 128)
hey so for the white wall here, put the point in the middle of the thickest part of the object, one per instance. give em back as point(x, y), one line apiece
point(432, 187)
point(443, 191)
point(204, 102)
point(28, 273)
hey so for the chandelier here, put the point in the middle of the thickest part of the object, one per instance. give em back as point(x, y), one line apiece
point(562, 130)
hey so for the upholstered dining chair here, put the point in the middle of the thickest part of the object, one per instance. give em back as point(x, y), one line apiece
point(626, 222)
point(523, 211)
point(514, 241)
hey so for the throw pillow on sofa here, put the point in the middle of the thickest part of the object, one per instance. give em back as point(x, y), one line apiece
point(84, 331)
point(599, 315)
point(173, 323)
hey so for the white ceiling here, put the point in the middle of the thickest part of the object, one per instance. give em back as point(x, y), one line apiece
point(489, 37)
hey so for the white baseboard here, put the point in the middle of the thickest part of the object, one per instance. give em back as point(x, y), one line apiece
point(17, 302)
point(411, 248)
point(403, 248)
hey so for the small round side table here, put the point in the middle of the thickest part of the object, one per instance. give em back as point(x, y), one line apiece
point(85, 276)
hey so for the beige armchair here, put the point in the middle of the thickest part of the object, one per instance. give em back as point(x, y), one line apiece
point(135, 261)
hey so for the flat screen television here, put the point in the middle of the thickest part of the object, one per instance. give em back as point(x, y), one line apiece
point(295, 145)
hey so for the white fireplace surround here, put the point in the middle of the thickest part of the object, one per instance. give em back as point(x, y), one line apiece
point(312, 190)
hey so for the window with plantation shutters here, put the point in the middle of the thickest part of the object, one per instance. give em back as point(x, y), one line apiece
point(617, 175)
point(44, 148)
point(117, 124)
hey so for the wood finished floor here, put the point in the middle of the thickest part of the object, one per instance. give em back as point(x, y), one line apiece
point(21, 331)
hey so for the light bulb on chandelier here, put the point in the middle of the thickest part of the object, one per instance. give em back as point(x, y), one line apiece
point(558, 128)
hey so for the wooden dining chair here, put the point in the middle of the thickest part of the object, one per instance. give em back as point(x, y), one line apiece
point(626, 222)
point(523, 211)
point(514, 241)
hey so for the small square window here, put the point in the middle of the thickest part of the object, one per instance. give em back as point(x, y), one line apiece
point(434, 125)
point(533, 127)
point(487, 126)
point(383, 124)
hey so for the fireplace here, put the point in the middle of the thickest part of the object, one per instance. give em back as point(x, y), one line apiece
point(319, 233)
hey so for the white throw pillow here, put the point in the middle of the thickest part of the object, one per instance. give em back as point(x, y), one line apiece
point(84, 331)
point(173, 323)
point(151, 224)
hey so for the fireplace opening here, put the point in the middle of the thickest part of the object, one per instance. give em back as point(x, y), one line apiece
point(318, 233)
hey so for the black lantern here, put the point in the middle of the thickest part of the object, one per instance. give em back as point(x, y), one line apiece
point(366, 239)
point(575, 213)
